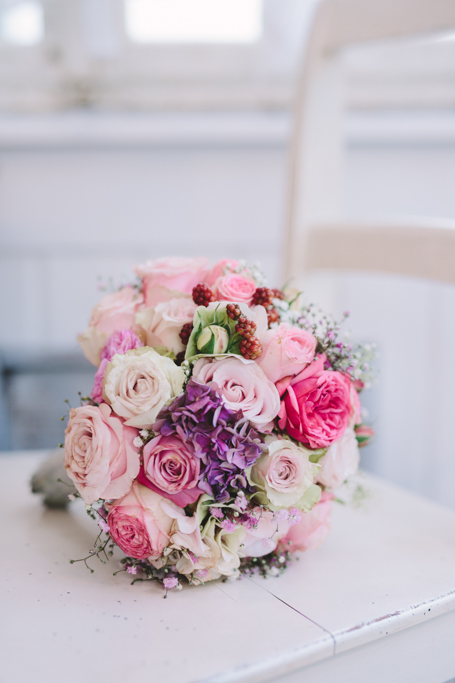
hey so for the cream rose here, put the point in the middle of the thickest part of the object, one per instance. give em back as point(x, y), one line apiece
point(100, 457)
point(340, 462)
point(285, 475)
point(139, 383)
point(162, 323)
point(243, 386)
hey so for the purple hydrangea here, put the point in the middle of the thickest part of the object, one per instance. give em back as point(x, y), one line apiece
point(224, 440)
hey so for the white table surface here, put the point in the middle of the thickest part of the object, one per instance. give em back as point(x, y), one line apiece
point(375, 603)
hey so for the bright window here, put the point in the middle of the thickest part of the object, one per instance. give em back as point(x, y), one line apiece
point(193, 21)
point(22, 23)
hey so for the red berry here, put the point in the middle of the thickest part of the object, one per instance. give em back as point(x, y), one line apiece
point(263, 297)
point(251, 348)
point(272, 316)
point(203, 295)
point(185, 333)
point(245, 328)
point(233, 311)
point(278, 294)
point(180, 357)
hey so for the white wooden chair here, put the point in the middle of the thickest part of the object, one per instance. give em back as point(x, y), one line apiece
point(316, 236)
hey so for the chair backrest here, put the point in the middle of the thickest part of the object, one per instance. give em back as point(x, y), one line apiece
point(317, 138)
point(425, 251)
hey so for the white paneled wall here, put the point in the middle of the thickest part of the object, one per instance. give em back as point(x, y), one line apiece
point(74, 209)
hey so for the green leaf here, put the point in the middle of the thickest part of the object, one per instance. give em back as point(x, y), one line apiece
point(316, 455)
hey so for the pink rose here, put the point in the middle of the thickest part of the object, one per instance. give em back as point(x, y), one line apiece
point(265, 537)
point(313, 528)
point(286, 350)
point(243, 386)
point(170, 468)
point(115, 311)
point(316, 405)
point(99, 454)
point(162, 323)
point(179, 274)
point(119, 342)
point(233, 287)
point(355, 417)
point(219, 269)
point(138, 524)
point(340, 462)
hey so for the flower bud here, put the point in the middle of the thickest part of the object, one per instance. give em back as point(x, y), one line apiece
point(364, 434)
point(213, 339)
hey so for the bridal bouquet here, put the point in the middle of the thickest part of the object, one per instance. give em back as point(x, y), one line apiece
point(223, 416)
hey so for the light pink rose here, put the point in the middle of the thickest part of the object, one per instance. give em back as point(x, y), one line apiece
point(265, 537)
point(286, 350)
point(316, 405)
point(163, 322)
point(114, 312)
point(178, 273)
point(313, 528)
point(170, 468)
point(233, 287)
point(100, 457)
point(243, 386)
point(138, 524)
point(340, 462)
point(219, 269)
point(119, 342)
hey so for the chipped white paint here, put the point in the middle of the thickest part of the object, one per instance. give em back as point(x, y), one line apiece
point(378, 597)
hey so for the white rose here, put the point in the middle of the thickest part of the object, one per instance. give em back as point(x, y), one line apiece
point(285, 474)
point(163, 322)
point(139, 383)
point(340, 462)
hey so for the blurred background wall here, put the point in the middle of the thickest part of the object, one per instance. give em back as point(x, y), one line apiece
point(131, 130)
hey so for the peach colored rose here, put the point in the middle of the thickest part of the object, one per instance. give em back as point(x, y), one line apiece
point(179, 274)
point(163, 322)
point(139, 383)
point(233, 287)
point(286, 350)
point(340, 462)
point(114, 312)
point(243, 386)
point(316, 405)
point(138, 524)
point(100, 457)
point(313, 528)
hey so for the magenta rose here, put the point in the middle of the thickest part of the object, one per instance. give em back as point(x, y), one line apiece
point(286, 350)
point(316, 405)
point(115, 311)
point(233, 287)
point(178, 274)
point(170, 468)
point(313, 528)
point(100, 457)
point(138, 524)
point(119, 342)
